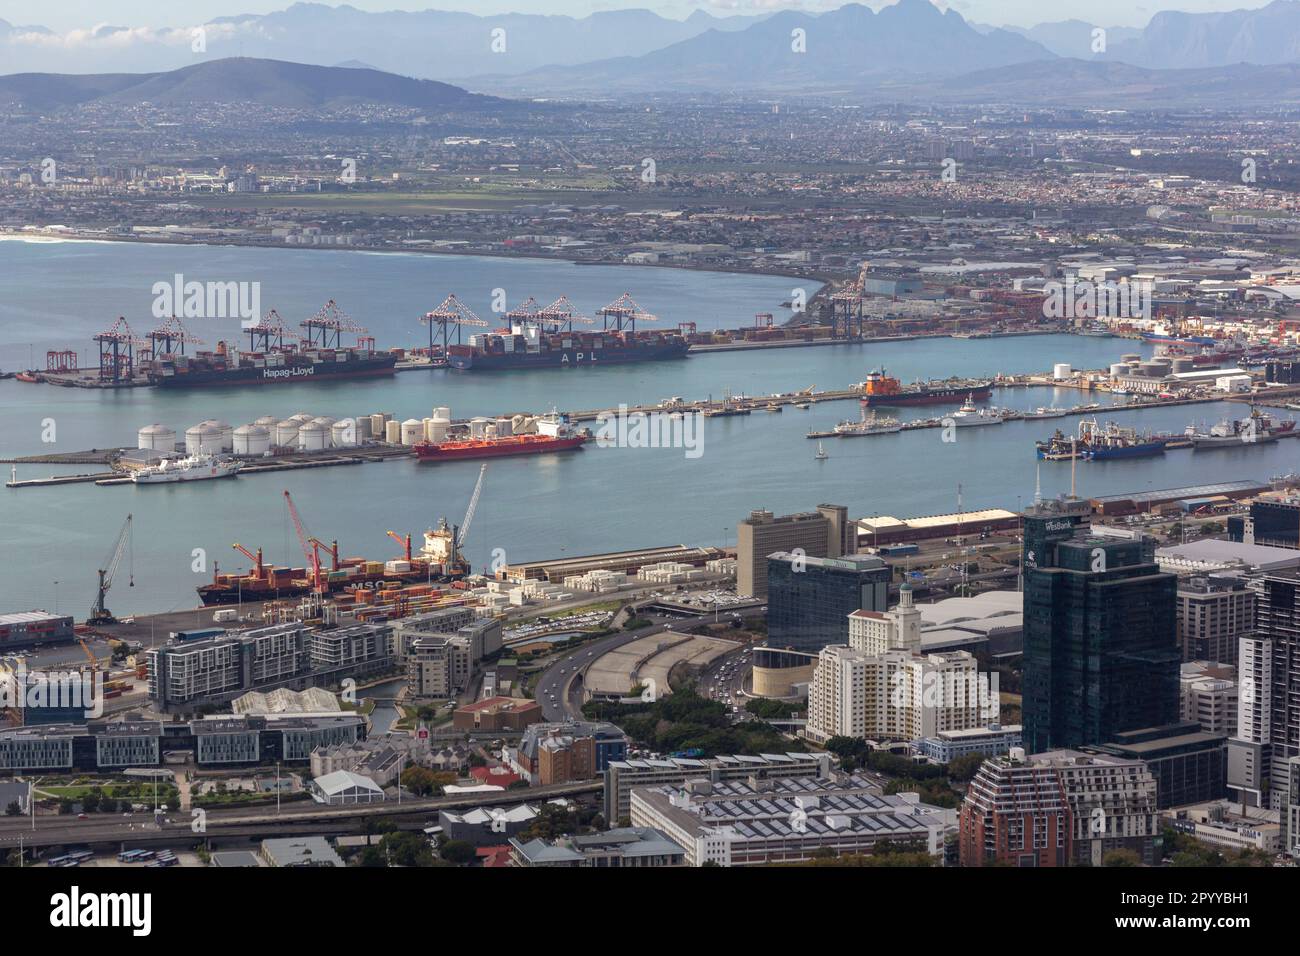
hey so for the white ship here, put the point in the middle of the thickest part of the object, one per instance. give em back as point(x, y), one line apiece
point(192, 468)
point(1045, 412)
point(870, 425)
point(969, 415)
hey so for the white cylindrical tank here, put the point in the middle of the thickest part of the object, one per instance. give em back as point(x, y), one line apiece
point(442, 411)
point(1061, 370)
point(302, 418)
point(313, 437)
point(363, 427)
point(505, 427)
point(478, 427)
point(393, 433)
point(286, 433)
point(203, 439)
point(436, 430)
point(1117, 369)
point(377, 425)
point(412, 431)
point(252, 440)
point(267, 421)
point(343, 433)
point(156, 437)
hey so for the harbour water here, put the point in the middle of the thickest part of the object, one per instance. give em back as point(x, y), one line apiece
point(595, 499)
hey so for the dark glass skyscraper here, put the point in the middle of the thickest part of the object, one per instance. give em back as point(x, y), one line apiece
point(1101, 651)
point(809, 599)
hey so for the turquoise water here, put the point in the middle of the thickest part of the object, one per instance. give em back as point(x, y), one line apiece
point(592, 500)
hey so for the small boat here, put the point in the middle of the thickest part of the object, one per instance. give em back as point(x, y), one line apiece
point(821, 453)
point(803, 405)
point(969, 415)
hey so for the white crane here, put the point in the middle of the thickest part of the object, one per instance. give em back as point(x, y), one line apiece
point(463, 531)
point(99, 614)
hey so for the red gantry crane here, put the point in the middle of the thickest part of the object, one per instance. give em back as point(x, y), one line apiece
point(312, 547)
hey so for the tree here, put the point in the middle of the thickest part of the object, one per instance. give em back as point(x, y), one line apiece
point(965, 768)
point(108, 805)
point(1120, 858)
point(90, 802)
point(406, 849)
point(419, 781)
point(458, 852)
point(13, 809)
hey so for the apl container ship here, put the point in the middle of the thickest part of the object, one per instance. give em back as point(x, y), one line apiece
point(528, 346)
point(227, 367)
point(880, 389)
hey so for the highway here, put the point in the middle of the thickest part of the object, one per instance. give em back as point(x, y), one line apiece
point(295, 818)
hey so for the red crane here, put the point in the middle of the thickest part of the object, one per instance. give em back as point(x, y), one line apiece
point(311, 547)
point(117, 348)
point(404, 541)
point(259, 569)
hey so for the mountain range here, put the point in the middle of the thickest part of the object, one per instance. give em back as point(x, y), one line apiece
point(269, 83)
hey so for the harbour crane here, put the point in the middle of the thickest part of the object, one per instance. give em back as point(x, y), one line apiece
point(331, 322)
point(258, 568)
point(624, 313)
point(404, 541)
point(451, 312)
point(99, 613)
point(310, 546)
point(460, 534)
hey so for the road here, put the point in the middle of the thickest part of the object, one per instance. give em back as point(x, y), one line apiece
point(263, 821)
point(561, 695)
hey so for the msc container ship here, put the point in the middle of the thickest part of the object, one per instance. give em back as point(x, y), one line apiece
point(880, 389)
point(528, 346)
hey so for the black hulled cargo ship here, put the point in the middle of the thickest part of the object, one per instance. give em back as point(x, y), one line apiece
point(271, 360)
point(545, 338)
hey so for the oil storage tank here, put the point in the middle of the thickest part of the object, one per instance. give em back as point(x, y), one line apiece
point(157, 437)
point(252, 440)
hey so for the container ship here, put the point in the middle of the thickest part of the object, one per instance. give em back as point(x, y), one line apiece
point(434, 562)
point(527, 346)
point(229, 367)
point(880, 389)
point(554, 434)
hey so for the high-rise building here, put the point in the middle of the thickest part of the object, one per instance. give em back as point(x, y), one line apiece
point(1214, 612)
point(824, 533)
point(809, 599)
point(1058, 808)
point(1263, 756)
point(1272, 523)
point(1101, 652)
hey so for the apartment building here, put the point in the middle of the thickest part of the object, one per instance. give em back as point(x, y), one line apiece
point(1214, 613)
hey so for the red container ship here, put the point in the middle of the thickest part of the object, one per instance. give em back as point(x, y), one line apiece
point(553, 434)
point(883, 390)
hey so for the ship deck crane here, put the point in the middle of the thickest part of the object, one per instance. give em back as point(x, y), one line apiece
point(258, 567)
point(404, 541)
point(99, 613)
point(459, 534)
point(310, 546)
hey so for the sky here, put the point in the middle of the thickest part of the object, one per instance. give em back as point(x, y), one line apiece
point(64, 15)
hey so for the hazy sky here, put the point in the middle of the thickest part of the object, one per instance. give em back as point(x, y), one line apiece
point(65, 15)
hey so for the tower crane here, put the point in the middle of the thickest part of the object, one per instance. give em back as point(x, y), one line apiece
point(99, 613)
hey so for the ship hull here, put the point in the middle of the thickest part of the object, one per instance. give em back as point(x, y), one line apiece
point(214, 594)
point(465, 358)
point(282, 375)
point(503, 449)
point(1144, 450)
point(936, 396)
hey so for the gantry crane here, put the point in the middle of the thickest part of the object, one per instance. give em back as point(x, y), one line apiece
point(117, 347)
point(450, 313)
point(170, 338)
point(99, 613)
point(269, 333)
point(562, 314)
point(331, 322)
point(625, 312)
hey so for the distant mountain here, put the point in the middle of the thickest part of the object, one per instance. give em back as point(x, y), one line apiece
point(848, 48)
point(1075, 37)
point(1109, 85)
point(1175, 40)
point(435, 44)
point(242, 80)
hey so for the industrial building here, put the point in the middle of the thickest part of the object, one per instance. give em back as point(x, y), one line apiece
point(28, 628)
point(787, 819)
point(617, 848)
